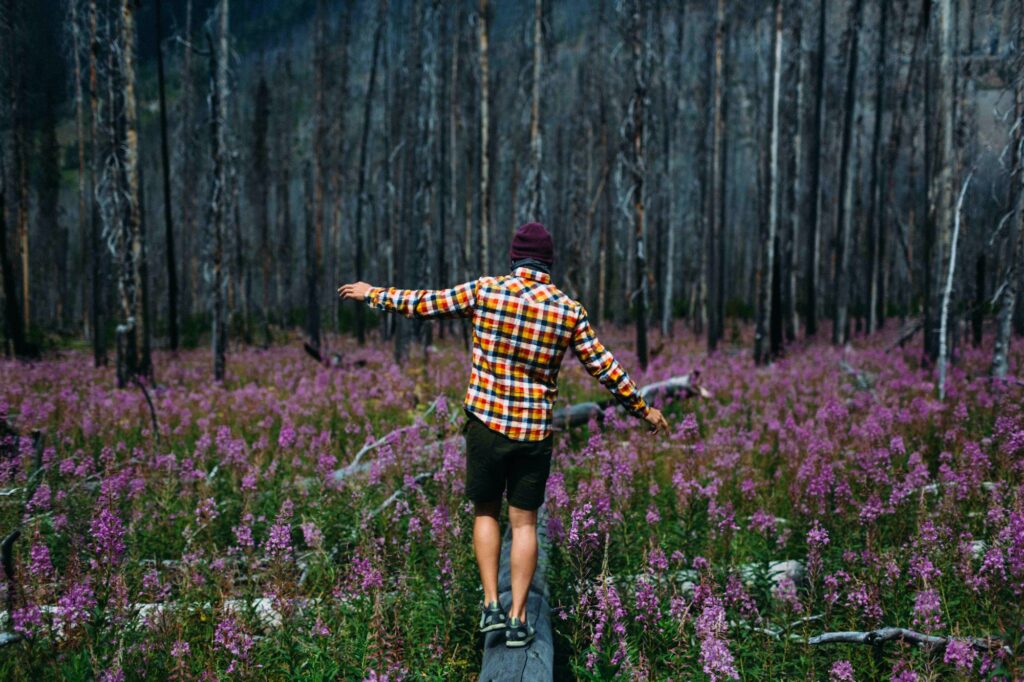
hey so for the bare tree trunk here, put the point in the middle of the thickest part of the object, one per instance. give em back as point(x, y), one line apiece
point(792, 320)
point(363, 145)
point(845, 227)
point(814, 191)
point(172, 273)
point(485, 179)
point(1015, 239)
point(950, 273)
point(533, 208)
point(130, 285)
point(261, 173)
point(76, 47)
point(716, 206)
point(98, 309)
point(314, 273)
point(875, 213)
point(187, 170)
point(942, 177)
point(13, 328)
point(766, 260)
point(638, 171)
point(219, 55)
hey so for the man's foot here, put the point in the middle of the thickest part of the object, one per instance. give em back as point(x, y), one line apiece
point(518, 633)
point(493, 617)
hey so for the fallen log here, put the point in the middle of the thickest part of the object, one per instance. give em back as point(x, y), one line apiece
point(891, 634)
point(534, 662)
point(687, 385)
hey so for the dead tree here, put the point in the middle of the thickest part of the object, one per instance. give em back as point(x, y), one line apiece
point(634, 130)
point(813, 238)
point(76, 48)
point(165, 163)
point(218, 206)
point(876, 241)
point(314, 260)
point(13, 328)
point(261, 191)
point(942, 177)
point(766, 262)
point(847, 162)
point(1007, 297)
point(532, 206)
point(382, 7)
point(485, 178)
point(125, 235)
point(186, 169)
point(98, 253)
point(715, 241)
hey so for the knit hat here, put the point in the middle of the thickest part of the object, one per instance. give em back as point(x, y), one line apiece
point(532, 240)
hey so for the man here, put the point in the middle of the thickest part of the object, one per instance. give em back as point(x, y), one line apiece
point(522, 326)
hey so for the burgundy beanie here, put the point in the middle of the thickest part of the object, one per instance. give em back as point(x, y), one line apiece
point(532, 240)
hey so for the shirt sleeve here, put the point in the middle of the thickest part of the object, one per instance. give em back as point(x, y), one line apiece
point(605, 368)
point(424, 303)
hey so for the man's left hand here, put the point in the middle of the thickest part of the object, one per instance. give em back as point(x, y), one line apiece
point(355, 291)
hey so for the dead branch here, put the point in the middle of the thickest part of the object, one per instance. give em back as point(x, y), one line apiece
point(891, 634)
point(906, 334)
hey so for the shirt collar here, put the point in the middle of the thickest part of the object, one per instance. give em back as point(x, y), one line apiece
point(530, 273)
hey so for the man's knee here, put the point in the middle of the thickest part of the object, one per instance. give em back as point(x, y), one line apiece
point(522, 519)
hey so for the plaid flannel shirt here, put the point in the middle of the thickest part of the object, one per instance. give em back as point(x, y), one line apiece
point(522, 326)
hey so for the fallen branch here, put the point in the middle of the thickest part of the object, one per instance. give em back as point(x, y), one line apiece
point(891, 634)
point(906, 334)
point(152, 410)
point(687, 385)
point(354, 466)
point(865, 380)
point(418, 478)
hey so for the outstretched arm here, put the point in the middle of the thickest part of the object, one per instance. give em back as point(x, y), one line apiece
point(423, 303)
point(603, 366)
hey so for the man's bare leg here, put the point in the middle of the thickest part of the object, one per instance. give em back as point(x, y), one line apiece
point(487, 545)
point(523, 556)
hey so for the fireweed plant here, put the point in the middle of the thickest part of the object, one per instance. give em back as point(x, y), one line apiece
point(830, 491)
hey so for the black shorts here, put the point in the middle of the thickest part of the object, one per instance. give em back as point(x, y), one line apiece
point(495, 462)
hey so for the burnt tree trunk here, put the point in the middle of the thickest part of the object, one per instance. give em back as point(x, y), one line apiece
point(363, 146)
point(165, 163)
point(814, 173)
point(219, 186)
point(638, 170)
point(716, 205)
point(847, 162)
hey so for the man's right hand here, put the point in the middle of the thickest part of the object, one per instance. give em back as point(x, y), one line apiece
point(657, 420)
point(356, 291)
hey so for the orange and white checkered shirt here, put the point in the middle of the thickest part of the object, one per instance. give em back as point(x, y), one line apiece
point(522, 326)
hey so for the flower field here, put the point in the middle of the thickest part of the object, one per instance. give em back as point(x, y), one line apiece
point(264, 529)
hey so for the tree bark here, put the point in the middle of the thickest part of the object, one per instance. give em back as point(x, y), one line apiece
point(1011, 276)
point(533, 208)
point(814, 173)
point(637, 161)
point(763, 350)
point(942, 176)
point(83, 203)
point(875, 213)
point(485, 179)
point(716, 205)
point(261, 173)
point(172, 265)
point(844, 219)
point(98, 308)
point(220, 186)
point(363, 146)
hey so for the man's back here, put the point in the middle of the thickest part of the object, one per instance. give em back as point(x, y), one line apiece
point(522, 326)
